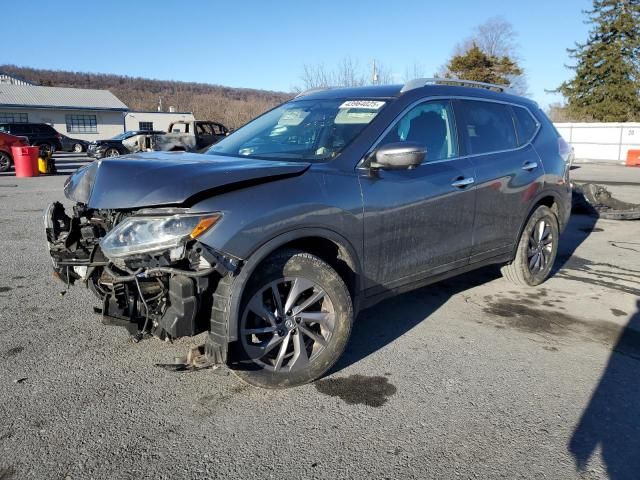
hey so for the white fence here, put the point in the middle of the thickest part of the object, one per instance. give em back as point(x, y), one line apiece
point(601, 142)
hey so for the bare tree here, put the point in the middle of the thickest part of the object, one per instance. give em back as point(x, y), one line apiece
point(414, 71)
point(347, 73)
point(497, 38)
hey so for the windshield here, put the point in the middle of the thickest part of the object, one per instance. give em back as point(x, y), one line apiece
point(124, 136)
point(301, 130)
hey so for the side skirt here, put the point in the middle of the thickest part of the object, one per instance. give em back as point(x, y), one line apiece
point(423, 282)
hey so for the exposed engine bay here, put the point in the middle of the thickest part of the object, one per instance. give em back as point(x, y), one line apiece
point(164, 291)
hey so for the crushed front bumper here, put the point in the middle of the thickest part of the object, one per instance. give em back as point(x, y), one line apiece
point(147, 294)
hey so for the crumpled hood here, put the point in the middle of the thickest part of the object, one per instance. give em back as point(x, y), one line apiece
point(168, 178)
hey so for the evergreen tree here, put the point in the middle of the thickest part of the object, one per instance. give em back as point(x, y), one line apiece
point(606, 86)
point(474, 64)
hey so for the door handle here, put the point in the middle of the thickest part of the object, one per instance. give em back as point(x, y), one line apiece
point(463, 182)
point(528, 166)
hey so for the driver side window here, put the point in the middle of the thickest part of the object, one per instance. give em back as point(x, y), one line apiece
point(431, 124)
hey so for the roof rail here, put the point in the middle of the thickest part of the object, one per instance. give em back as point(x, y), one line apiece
point(312, 90)
point(421, 82)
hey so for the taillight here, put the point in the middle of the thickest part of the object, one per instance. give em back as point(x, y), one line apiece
point(564, 150)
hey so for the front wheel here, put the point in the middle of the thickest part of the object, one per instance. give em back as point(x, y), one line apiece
point(77, 148)
point(5, 162)
point(295, 323)
point(537, 249)
point(112, 152)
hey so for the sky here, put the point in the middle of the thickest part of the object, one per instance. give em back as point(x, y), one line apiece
point(265, 45)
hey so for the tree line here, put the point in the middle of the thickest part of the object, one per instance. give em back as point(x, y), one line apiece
point(605, 85)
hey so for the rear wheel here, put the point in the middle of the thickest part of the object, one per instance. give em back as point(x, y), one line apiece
point(295, 321)
point(112, 152)
point(537, 249)
point(5, 162)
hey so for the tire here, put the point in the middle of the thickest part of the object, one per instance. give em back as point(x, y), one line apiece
point(5, 162)
point(111, 152)
point(77, 148)
point(279, 348)
point(536, 251)
point(45, 147)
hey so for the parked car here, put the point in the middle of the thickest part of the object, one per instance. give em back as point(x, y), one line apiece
point(6, 156)
point(74, 145)
point(39, 134)
point(183, 136)
point(276, 238)
point(114, 147)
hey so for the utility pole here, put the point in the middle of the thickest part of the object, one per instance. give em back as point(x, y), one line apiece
point(374, 74)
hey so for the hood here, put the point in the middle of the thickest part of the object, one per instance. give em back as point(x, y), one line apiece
point(108, 140)
point(161, 178)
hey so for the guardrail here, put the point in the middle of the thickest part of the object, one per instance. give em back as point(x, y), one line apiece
point(601, 142)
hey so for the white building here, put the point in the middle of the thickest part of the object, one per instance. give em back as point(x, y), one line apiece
point(154, 120)
point(76, 112)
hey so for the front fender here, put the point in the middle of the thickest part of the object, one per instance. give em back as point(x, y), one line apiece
point(266, 249)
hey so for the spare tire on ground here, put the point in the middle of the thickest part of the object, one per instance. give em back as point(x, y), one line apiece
point(594, 199)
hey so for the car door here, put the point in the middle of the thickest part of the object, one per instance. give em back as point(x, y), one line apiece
point(204, 135)
point(418, 222)
point(507, 171)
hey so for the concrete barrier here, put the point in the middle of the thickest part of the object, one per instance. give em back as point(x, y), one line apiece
point(601, 142)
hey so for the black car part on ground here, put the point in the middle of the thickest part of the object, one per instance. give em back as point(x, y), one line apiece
point(149, 293)
point(594, 199)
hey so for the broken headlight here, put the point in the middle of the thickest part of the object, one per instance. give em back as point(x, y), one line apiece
point(146, 233)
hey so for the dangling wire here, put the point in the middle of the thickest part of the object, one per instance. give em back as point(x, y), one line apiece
point(146, 308)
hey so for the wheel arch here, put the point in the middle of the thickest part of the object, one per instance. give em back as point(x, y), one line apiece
point(328, 245)
point(548, 199)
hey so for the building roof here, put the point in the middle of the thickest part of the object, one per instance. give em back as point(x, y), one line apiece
point(59, 97)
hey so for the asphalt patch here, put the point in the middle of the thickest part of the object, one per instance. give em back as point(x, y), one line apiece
point(618, 313)
point(12, 352)
point(358, 389)
point(7, 473)
point(514, 314)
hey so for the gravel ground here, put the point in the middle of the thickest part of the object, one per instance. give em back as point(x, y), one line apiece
point(469, 378)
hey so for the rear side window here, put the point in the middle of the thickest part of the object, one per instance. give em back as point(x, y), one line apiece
point(488, 126)
point(20, 129)
point(526, 125)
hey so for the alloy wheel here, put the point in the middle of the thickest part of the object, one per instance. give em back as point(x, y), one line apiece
point(287, 324)
point(112, 152)
point(540, 247)
point(5, 162)
point(77, 148)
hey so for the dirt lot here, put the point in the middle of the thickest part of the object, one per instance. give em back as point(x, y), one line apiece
point(470, 378)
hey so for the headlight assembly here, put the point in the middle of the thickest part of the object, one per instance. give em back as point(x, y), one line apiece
point(146, 233)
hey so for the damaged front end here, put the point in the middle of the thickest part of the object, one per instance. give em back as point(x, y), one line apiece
point(147, 267)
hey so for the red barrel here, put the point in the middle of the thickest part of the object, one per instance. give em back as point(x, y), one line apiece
point(25, 160)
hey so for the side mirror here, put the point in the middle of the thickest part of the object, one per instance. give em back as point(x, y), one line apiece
point(398, 156)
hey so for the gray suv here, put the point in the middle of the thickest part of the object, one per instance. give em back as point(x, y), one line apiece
point(277, 237)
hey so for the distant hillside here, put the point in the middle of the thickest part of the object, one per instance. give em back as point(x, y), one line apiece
point(231, 106)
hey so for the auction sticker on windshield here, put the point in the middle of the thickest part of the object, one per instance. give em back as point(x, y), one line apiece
point(368, 104)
